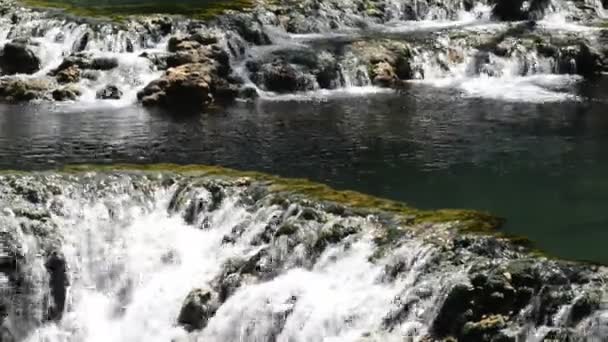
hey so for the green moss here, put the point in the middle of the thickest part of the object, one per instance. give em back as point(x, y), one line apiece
point(468, 220)
point(119, 12)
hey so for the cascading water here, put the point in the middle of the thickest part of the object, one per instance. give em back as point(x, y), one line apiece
point(163, 257)
point(332, 47)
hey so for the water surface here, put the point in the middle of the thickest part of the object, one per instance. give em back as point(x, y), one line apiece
point(541, 165)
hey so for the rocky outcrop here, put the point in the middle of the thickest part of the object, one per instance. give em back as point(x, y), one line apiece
point(389, 61)
point(20, 90)
point(193, 85)
point(18, 57)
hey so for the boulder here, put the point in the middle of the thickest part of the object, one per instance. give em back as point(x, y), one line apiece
point(18, 57)
point(109, 92)
point(69, 75)
point(383, 75)
point(194, 85)
point(67, 93)
point(199, 306)
point(19, 90)
point(198, 49)
point(283, 77)
point(86, 61)
point(104, 63)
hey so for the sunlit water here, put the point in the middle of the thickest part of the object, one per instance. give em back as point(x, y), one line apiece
point(541, 165)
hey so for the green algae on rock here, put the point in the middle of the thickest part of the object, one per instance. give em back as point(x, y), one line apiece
point(118, 10)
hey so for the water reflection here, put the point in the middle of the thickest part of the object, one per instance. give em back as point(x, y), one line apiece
point(543, 166)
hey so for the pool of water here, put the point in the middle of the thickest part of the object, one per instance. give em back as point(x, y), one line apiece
point(543, 166)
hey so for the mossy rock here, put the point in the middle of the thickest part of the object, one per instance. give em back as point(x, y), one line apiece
point(120, 10)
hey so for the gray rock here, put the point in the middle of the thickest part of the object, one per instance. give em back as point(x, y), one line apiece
point(109, 92)
point(18, 57)
point(199, 306)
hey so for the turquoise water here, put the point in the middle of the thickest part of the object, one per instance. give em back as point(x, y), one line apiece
point(543, 166)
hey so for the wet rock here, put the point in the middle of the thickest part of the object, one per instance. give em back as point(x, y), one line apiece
point(388, 61)
point(249, 93)
point(104, 63)
point(333, 234)
point(247, 26)
point(56, 267)
point(282, 77)
point(198, 48)
point(109, 92)
point(383, 75)
point(86, 61)
point(68, 75)
point(158, 59)
point(81, 43)
point(67, 93)
point(193, 85)
point(18, 57)
point(199, 306)
point(484, 330)
point(583, 306)
point(453, 313)
point(19, 90)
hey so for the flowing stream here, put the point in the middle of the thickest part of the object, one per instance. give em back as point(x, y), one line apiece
point(483, 112)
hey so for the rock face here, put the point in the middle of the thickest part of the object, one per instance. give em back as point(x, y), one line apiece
point(191, 85)
point(199, 306)
point(18, 57)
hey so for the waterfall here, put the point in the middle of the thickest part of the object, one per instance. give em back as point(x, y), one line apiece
point(450, 43)
point(273, 267)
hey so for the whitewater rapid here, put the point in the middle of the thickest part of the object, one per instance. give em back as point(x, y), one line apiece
point(523, 77)
point(132, 264)
point(279, 268)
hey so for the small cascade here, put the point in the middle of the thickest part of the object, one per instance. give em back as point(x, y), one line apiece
point(160, 257)
point(332, 47)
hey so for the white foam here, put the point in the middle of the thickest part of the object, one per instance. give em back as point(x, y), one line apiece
point(324, 94)
point(534, 88)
